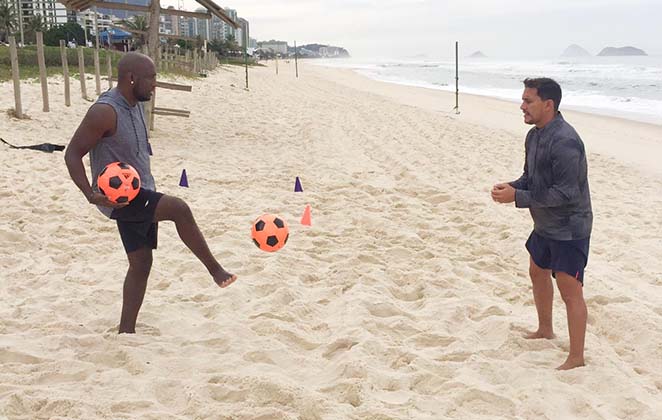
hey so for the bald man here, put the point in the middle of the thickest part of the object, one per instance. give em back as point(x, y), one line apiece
point(114, 129)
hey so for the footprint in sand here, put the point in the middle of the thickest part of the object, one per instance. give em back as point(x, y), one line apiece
point(8, 356)
point(408, 295)
point(258, 357)
point(342, 344)
point(458, 356)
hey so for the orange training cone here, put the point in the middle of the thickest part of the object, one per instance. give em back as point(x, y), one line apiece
point(305, 219)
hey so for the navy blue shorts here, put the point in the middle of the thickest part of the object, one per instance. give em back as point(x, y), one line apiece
point(568, 257)
point(136, 221)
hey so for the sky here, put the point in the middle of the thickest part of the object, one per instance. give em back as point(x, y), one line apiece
point(409, 28)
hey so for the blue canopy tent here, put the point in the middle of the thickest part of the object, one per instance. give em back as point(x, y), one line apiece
point(114, 36)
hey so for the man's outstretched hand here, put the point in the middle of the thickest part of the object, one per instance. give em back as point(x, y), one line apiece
point(101, 200)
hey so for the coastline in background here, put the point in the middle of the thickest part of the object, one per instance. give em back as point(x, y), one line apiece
point(626, 87)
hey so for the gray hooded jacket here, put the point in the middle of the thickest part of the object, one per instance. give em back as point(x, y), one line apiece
point(554, 185)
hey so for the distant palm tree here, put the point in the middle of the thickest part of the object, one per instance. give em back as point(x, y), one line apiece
point(138, 23)
point(36, 23)
point(8, 20)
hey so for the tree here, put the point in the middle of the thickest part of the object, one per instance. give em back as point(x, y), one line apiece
point(8, 20)
point(69, 32)
point(138, 23)
point(224, 48)
point(35, 24)
point(231, 43)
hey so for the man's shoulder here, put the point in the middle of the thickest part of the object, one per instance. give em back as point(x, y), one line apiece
point(566, 137)
point(564, 131)
point(108, 95)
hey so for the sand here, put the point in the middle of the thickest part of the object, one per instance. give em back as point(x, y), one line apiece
point(407, 298)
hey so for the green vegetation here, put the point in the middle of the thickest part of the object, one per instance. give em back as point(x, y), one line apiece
point(68, 32)
point(29, 67)
point(239, 61)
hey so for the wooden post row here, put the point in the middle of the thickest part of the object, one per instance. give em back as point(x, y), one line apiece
point(97, 72)
point(42, 70)
point(81, 72)
point(65, 73)
point(109, 63)
point(18, 108)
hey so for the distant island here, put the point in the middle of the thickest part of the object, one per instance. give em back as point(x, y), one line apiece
point(613, 51)
point(477, 54)
point(575, 50)
point(319, 51)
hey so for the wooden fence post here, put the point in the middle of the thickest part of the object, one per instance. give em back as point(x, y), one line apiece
point(18, 110)
point(65, 72)
point(81, 72)
point(97, 71)
point(109, 62)
point(42, 70)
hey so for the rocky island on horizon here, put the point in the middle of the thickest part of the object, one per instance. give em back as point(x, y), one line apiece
point(575, 50)
point(622, 51)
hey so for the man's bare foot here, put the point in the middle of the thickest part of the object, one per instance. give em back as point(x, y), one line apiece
point(534, 335)
point(223, 278)
point(572, 363)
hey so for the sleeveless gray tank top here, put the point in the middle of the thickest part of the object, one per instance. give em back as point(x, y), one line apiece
point(129, 143)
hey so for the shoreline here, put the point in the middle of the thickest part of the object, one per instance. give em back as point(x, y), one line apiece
point(363, 68)
point(490, 112)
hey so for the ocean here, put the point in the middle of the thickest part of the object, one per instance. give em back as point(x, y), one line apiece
point(626, 87)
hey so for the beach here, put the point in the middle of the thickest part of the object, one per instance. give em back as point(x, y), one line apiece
point(407, 298)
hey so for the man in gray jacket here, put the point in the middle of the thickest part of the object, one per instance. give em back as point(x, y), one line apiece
point(554, 187)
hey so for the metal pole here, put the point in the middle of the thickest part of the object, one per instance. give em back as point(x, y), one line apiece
point(245, 58)
point(457, 89)
point(296, 63)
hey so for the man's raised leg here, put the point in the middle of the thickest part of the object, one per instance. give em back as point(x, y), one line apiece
point(135, 283)
point(543, 295)
point(175, 209)
point(573, 296)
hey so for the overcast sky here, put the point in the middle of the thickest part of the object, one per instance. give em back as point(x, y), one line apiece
point(498, 28)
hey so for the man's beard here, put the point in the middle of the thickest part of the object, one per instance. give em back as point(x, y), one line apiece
point(144, 98)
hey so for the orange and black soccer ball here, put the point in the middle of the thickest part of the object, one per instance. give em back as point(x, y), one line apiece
point(270, 232)
point(119, 182)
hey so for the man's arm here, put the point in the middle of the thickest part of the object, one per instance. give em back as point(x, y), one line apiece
point(522, 183)
point(566, 155)
point(99, 121)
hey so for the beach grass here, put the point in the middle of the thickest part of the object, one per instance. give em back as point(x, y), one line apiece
point(29, 66)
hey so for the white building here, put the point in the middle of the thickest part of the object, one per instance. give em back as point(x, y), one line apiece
point(86, 20)
point(52, 12)
point(278, 47)
point(243, 33)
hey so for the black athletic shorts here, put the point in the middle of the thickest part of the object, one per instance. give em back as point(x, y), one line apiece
point(568, 257)
point(136, 221)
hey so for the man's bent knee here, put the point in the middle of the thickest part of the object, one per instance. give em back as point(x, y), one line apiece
point(172, 208)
